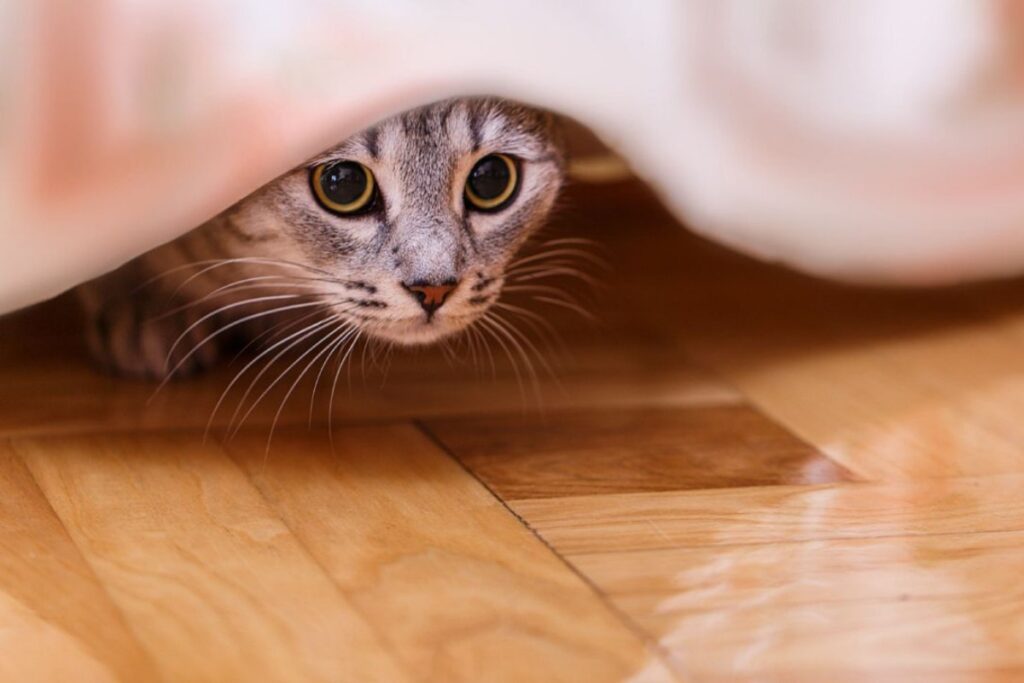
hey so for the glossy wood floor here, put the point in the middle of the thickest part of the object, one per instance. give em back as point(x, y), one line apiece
point(741, 474)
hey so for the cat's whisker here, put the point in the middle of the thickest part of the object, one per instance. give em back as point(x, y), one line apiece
point(539, 324)
point(234, 285)
point(521, 343)
point(466, 335)
point(559, 298)
point(291, 340)
point(580, 241)
point(487, 325)
point(545, 273)
point(302, 336)
point(224, 291)
point(545, 359)
point(380, 357)
point(549, 263)
point(582, 312)
point(334, 385)
point(266, 281)
point(463, 346)
point(546, 290)
point(338, 342)
point(195, 349)
point(209, 265)
point(326, 343)
point(368, 347)
point(581, 254)
point(272, 333)
point(247, 260)
point(483, 341)
point(465, 339)
point(389, 350)
point(221, 330)
point(324, 301)
point(220, 310)
point(444, 346)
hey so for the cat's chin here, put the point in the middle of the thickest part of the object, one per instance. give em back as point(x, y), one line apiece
point(417, 332)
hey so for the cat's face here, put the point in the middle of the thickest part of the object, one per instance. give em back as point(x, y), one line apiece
point(417, 218)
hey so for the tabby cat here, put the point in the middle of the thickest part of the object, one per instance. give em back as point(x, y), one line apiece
point(401, 233)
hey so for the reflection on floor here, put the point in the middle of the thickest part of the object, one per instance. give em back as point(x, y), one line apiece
point(739, 474)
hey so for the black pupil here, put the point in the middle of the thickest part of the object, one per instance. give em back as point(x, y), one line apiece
point(489, 178)
point(343, 183)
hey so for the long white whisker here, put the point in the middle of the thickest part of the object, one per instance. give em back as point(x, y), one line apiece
point(310, 290)
point(485, 345)
point(544, 273)
point(302, 335)
point(543, 289)
point(580, 241)
point(308, 330)
point(275, 329)
point(569, 305)
point(553, 253)
point(250, 260)
point(218, 311)
point(488, 325)
point(326, 342)
point(544, 329)
point(502, 325)
point(334, 348)
point(334, 386)
point(222, 330)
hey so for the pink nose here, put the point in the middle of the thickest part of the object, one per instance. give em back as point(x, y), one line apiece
point(430, 296)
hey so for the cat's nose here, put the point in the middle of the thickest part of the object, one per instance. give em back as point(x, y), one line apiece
point(431, 296)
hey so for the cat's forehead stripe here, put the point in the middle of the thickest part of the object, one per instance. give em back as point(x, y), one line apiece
point(452, 127)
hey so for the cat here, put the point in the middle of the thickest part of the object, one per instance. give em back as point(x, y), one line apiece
point(402, 233)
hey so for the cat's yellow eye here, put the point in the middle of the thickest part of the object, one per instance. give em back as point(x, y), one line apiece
point(492, 182)
point(343, 187)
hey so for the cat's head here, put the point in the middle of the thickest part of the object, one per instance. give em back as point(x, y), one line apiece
point(415, 220)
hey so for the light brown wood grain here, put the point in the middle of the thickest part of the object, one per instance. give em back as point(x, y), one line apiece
point(768, 515)
point(211, 582)
point(458, 588)
point(57, 622)
point(868, 581)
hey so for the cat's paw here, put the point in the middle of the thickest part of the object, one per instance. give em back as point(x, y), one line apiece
point(128, 338)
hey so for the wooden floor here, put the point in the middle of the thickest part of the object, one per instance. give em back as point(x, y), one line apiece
point(741, 475)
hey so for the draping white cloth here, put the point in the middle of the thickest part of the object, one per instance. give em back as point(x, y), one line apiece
point(862, 139)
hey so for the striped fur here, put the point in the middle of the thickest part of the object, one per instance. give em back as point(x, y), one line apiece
point(167, 313)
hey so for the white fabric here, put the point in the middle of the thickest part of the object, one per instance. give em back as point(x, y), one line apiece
point(863, 139)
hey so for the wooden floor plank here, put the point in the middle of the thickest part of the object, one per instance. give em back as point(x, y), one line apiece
point(777, 514)
point(208, 578)
point(911, 407)
point(872, 607)
point(631, 450)
point(838, 582)
point(56, 621)
point(459, 588)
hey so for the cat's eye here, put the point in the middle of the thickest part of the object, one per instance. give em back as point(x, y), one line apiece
point(343, 187)
point(492, 182)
